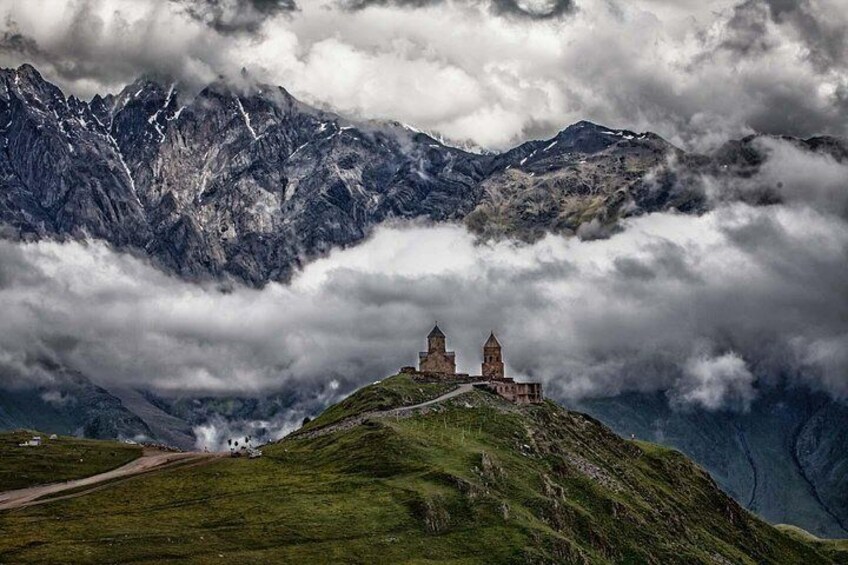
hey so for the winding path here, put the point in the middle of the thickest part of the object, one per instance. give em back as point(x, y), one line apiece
point(353, 421)
point(461, 389)
point(158, 461)
point(148, 462)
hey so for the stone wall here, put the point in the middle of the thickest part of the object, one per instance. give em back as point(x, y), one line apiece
point(493, 367)
point(438, 362)
point(519, 393)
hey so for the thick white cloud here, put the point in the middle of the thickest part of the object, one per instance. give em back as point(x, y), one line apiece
point(707, 308)
point(695, 72)
point(716, 382)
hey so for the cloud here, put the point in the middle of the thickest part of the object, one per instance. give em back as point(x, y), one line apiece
point(532, 9)
point(707, 308)
point(788, 173)
point(822, 26)
point(493, 72)
point(215, 433)
point(715, 382)
point(236, 16)
point(58, 399)
point(91, 47)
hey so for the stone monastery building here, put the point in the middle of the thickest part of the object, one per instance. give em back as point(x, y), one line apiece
point(437, 359)
point(438, 362)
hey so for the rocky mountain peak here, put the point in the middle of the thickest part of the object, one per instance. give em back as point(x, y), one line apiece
point(27, 84)
point(588, 138)
point(25, 74)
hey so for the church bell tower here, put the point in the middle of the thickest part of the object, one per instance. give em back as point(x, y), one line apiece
point(493, 367)
point(437, 359)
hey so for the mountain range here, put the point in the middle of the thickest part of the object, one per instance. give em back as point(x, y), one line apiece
point(250, 183)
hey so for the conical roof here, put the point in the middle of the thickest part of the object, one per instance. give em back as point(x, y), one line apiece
point(436, 332)
point(492, 341)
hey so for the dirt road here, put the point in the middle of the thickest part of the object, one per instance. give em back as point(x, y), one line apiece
point(400, 412)
point(150, 461)
point(461, 389)
point(153, 460)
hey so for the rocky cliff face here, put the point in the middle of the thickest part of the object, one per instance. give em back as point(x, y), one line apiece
point(251, 183)
point(582, 180)
point(248, 184)
point(62, 172)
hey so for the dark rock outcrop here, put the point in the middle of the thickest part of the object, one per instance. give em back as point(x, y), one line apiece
point(244, 184)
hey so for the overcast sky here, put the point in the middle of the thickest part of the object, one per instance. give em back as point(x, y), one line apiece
point(493, 72)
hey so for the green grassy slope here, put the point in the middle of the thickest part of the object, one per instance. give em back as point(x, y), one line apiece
point(400, 390)
point(62, 459)
point(835, 549)
point(786, 458)
point(475, 480)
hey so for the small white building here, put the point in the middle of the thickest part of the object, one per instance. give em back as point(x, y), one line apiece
point(34, 442)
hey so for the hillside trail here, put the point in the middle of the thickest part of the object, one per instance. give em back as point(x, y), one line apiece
point(401, 411)
point(150, 461)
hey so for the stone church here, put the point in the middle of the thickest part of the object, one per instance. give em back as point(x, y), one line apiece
point(437, 361)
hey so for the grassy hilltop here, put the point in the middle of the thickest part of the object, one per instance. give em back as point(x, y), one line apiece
point(62, 459)
point(470, 480)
